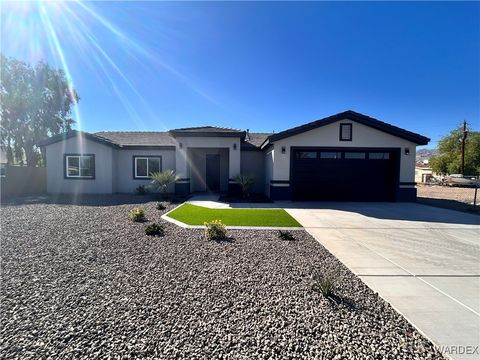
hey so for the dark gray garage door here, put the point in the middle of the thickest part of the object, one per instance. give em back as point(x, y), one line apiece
point(344, 175)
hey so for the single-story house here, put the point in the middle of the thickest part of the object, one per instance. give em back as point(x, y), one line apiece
point(423, 172)
point(347, 156)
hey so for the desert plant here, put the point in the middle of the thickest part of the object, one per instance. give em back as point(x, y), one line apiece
point(245, 182)
point(285, 235)
point(161, 180)
point(161, 206)
point(142, 190)
point(215, 230)
point(326, 284)
point(155, 230)
point(137, 214)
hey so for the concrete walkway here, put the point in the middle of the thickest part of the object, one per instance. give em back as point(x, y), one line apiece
point(211, 201)
point(424, 261)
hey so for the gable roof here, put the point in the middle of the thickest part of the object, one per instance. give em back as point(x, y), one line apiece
point(351, 115)
point(253, 141)
point(208, 131)
point(73, 133)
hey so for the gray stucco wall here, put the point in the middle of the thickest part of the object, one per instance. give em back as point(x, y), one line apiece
point(253, 163)
point(57, 184)
point(124, 172)
point(197, 167)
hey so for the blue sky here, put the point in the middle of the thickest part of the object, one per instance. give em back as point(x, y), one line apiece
point(259, 65)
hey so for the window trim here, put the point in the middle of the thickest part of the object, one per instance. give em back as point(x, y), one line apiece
point(134, 162)
point(79, 177)
point(351, 131)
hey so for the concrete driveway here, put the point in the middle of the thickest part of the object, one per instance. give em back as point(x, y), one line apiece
point(424, 261)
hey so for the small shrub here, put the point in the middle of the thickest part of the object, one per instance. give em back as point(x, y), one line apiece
point(215, 230)
point(285, 235)
point(161, 206)
point(155, 230)
point(326, 284)
point(142, 190)
point(137, 214)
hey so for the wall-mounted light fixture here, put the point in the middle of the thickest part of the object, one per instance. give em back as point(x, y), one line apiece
point(284, 149)
point(407, 151)
point(234, 146)
point(180, 145)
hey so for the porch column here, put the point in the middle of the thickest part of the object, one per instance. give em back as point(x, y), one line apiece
point(234, 160)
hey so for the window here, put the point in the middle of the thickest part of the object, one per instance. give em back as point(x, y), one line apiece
point(345, 132)
point(330, 155)
point(3, 170)
point(144, 166)
point(354, 155)
point(80, 166)
point(306, 155)
point(379, 156)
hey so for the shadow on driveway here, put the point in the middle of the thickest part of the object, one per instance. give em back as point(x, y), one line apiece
point(392, 211)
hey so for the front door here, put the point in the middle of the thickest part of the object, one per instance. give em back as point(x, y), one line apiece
point(212, 173)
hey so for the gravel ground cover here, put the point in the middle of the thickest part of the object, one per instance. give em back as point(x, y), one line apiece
point(84, 282)
point(455, 198)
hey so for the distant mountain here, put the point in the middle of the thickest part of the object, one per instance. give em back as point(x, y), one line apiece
point(426, 153)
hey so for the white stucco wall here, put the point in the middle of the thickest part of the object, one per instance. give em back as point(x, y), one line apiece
point(103, 182)
point(328, 135)
point(124, 176)
point(207, 142)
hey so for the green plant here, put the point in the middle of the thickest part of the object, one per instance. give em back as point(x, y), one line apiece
point(137, 214)
point(142, 190)
point(326, 284)
point(285, 235)
point(245, 182)
point(161, 180)
point(155, 230)
point(161, 206)
point(215, 230)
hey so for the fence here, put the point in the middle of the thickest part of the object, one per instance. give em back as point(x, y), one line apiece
point(22, 180)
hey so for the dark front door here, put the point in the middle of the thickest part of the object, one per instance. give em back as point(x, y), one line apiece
point(212, 173)
point(344, 175)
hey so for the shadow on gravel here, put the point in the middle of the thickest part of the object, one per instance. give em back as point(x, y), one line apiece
point(88, 200)
point(450, 204)
point(341, 300)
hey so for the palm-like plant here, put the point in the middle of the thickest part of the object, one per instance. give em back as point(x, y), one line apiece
point(161, 180)
point(245, 182)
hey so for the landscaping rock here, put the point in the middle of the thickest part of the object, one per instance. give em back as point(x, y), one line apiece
point(84, 282)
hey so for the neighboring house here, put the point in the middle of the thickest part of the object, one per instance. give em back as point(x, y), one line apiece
point(347, 156)
point(423, 171)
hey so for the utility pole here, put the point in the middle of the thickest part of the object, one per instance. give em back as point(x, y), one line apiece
point(464, 137)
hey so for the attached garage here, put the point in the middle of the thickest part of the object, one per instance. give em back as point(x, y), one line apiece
point(339, 174)
point(344, 157)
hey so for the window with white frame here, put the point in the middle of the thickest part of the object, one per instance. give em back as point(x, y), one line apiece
point(144, 166)
point(80, 166)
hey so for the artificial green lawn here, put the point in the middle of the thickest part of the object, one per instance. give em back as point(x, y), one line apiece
point(197, 215)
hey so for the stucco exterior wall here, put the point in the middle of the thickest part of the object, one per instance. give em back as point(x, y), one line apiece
point(57, 184)
point(124, 168)
point(253, 163)
point(362, 136)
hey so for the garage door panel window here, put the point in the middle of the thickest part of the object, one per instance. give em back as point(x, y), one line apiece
point(145, 166)
point(306, 155)
point(79, 166)
point(355, 155)
point(379, 156)
point(330, 155)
